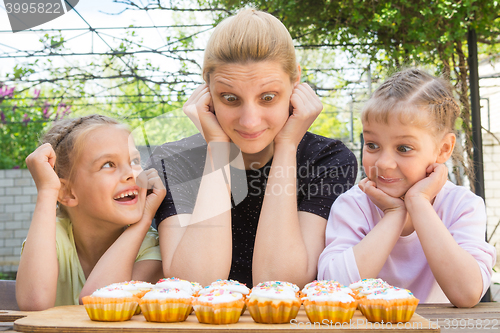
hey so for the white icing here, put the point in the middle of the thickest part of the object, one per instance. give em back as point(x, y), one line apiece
point(178, 284)
point(361, 284)
point(337, 296)
point(279, 284)
point(229, 285)
point(390, 294)
point(143, 285)
point(112, 293)
point(166, 293)
point(124, 286)
point(220, 296)
point(274, 293)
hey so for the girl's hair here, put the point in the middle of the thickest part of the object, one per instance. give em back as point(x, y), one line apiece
point(250, 36)
point(67, 138)
point(411, 95)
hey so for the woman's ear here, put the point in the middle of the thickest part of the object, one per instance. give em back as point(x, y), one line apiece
point(446, 147)
point(66, 195)
point(299, 73)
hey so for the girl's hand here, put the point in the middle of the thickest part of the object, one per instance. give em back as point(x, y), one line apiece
point(41, 166)
point(156, 192)
point(381, 199)
point(429, 187)
point(199, 109)
point(306, 106)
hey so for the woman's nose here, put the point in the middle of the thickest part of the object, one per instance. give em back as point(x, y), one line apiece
point(250, 117)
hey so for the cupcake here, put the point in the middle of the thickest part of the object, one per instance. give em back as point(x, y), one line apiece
point(319, 285)
point(364, 287)
point(391, 305)
point(273, 302)
point(219, 307)
point(110, 304)
point(166, 305)
point(332, 304)
point(190, 287)
point(137, 288)
point(230, 285)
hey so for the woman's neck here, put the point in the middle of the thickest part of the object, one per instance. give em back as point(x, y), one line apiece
point(260, 159)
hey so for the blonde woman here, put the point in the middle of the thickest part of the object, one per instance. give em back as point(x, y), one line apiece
point(262, 216)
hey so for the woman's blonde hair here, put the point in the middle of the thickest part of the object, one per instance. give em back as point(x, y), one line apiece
point(67, 138)
point(415, 98)
point(250, 36)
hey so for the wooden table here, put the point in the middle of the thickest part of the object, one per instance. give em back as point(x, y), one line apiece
point(484, 316)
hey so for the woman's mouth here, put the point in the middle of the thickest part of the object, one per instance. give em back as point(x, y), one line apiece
point(251, 135)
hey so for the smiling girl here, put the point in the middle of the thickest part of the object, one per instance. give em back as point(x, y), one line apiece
point(100, 232)
point(405, 223)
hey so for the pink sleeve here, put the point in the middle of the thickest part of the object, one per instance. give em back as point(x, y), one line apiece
point(468, 228)
point(347, 225)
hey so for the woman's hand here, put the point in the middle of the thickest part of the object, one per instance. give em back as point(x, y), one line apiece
point(41, 163)
point(381, 199)
point(306, 106)
point(429, 187)
point(199, 109)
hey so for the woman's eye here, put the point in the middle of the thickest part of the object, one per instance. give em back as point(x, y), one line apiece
point(370, 145)
point(268, 97)
point(229, 97)
point(135, 161)
point(404, 149)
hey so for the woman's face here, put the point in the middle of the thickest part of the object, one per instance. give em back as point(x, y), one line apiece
point(251, 102)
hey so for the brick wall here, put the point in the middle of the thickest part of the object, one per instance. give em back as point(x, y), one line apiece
point(17, 203)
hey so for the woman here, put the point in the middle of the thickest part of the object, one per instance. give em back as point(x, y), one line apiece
point(258, 213)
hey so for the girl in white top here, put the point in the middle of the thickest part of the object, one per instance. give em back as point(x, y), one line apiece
point(405, 223)
point(98, 184)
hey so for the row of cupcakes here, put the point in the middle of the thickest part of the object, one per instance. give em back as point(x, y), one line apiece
point(377, 300)
point(223, 302)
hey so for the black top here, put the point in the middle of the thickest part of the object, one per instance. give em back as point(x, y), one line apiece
point(326, 168)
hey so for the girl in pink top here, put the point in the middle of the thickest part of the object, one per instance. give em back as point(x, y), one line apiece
point(405, 223)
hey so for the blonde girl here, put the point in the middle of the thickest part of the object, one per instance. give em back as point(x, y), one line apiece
point(406, 223)
point(100, 232)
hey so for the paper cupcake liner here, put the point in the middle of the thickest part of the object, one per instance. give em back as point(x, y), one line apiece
point(390, 311)
point(219, 313)
point(273, 311)
point(110, 309)
point(336, 312)
point(166, 310)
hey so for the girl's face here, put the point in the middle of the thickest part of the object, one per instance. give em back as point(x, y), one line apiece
point(396, 156)
point(251, 102)
point(105, 180)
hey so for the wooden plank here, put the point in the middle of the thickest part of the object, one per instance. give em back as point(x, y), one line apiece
point(10, 316)
point(427, 309)
point(75, 319)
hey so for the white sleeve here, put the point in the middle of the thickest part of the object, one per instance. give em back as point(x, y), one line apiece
point(468, 228)
point(348, 223)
